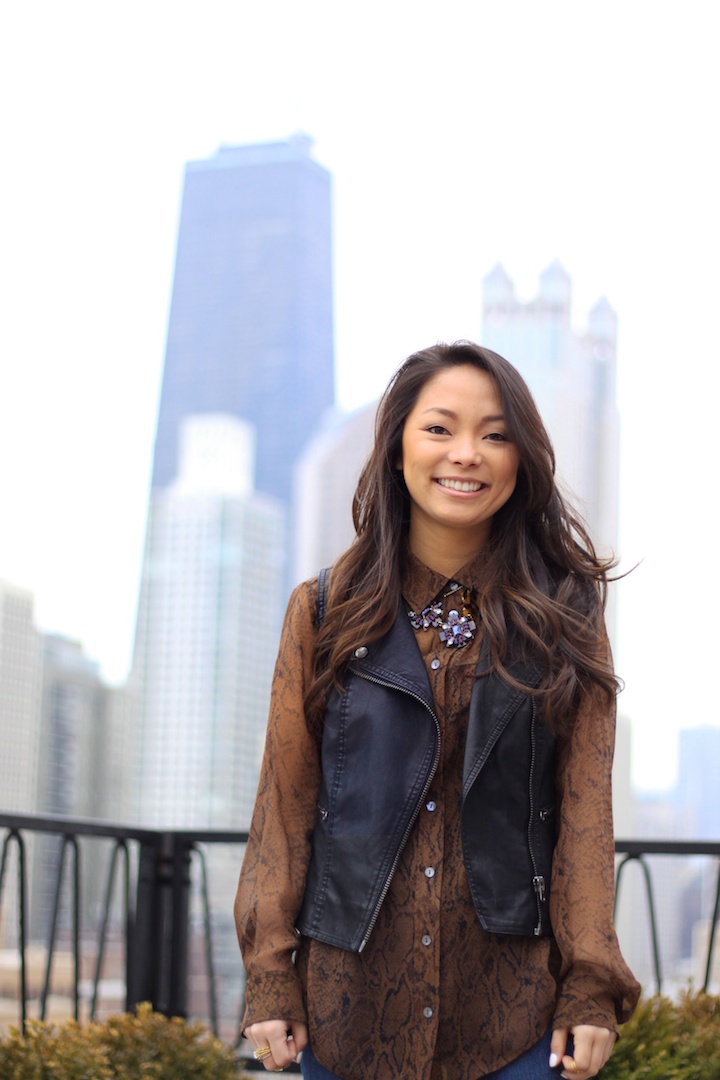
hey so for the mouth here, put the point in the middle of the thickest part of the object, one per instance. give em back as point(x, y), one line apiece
point(461, 485)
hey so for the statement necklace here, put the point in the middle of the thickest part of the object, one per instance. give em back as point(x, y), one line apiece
point(455, 630)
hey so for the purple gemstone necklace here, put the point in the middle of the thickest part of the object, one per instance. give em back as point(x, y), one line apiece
point(459, 626)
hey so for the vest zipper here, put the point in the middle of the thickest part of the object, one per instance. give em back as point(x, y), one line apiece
point(428, 782)
point(538, 880)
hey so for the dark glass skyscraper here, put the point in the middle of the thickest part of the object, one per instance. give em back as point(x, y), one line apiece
point(250, 329)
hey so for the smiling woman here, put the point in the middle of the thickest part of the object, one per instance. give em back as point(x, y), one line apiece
point(458, 464)
point(427, 888)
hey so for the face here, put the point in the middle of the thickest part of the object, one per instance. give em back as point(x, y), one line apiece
point(458, 461)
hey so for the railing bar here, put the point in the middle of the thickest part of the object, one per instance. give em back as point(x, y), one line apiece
point(668, 847)
point(102, 933)
point(10, 835)
point(13, 834)
point(207, 923)
point(66, 843)
point(651, 909)
point(653, 923)
point(76, 923)
point(60, 825)
point(22, 874)
point(129, 929)
point(100, 956)
point(53, 927)
point(618, 875)
point(711, 942)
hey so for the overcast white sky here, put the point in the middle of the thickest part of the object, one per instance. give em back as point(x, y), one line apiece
point(458, 135)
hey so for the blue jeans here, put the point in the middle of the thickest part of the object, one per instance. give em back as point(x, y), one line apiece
point(533, 1065)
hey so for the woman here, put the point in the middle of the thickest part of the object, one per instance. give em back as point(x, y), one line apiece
point(427, 888)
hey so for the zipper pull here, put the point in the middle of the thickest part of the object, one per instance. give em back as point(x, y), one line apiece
point(539, 887)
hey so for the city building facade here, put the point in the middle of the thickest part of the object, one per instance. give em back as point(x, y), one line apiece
point(248, 374)
point(20, 693)
point(251, 325)
point(210, 606)
point(325, 482)
point(572, 377)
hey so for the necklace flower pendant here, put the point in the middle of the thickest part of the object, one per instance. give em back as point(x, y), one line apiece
point(458, 630)
point(430, 616)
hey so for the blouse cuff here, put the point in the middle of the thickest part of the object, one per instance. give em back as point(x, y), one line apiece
point(273, 995)
point(587, 999)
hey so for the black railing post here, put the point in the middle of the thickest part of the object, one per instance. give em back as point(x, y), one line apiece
point(145, 951)
point(177, 1003)
point(159, 969)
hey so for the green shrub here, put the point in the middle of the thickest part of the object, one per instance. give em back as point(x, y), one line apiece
point(142, 1046)
point(668, 1040)
point(665, 1040)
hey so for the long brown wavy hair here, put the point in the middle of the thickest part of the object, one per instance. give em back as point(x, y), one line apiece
point(544, 586)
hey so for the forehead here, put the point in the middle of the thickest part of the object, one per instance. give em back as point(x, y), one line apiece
point(463, 384)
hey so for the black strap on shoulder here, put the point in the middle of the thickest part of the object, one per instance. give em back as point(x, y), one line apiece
point(322, 594)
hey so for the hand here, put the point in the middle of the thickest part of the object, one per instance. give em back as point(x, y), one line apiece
point(592, 1046)
point(286, 1041)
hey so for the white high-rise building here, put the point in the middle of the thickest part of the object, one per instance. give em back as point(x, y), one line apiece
point(325, 482)
point(207, 632)
point(572, 377)
point(20, 689)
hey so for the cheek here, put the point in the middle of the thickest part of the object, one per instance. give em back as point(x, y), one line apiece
point(514, 469)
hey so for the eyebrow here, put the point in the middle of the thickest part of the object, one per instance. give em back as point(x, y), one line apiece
point(453, 415)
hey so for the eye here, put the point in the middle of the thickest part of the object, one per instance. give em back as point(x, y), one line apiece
point(497, 436)
point(437, 429)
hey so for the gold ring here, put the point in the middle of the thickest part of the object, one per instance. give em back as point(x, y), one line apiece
point(262, 1052)
point(573, 1066)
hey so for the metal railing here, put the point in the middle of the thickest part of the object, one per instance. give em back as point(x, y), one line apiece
point(152, 877)
point(153, 872)
point(638, 852)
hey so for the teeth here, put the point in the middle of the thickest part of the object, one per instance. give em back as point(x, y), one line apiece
point(461, 485)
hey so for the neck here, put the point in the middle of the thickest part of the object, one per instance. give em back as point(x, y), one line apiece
point(445, 554)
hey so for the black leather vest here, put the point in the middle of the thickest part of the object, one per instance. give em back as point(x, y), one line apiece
point(380, 750)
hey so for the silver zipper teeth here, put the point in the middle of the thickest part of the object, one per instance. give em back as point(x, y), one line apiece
point(538, 882)
point(428, 782)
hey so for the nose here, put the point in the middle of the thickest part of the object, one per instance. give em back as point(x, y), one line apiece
point(465, 451)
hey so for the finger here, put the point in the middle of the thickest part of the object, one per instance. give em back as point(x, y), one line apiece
point(591, 1049)
point(286, 1049)
point(601, 1050)
point(262, 1033)
point(269, 1039)
point(297, 1039)
point(558, 1045)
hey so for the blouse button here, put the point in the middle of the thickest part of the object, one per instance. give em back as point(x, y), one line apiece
point(435, 664)
point(361, 653)
point(427, 1012)
point(432, 805)
point(429, 871)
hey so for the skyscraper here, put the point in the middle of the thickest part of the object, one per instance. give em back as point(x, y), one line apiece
point(572, 377)
point(248, 373)
point(251, 328)
point(20, 692)
point(210, 606)
point(325, 482)
point(79, 768)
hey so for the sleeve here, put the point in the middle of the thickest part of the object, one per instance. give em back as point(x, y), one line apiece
point(596, 985)
point(272, 879)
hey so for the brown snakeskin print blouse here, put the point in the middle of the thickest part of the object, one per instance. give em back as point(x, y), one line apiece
point(433, 996)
